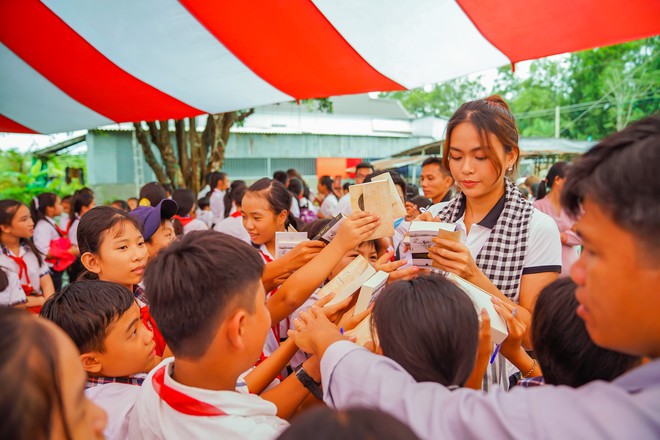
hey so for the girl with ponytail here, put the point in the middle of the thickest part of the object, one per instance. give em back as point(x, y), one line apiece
point(551, 204)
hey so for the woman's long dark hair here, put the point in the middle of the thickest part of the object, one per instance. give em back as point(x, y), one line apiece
point(39, 204)
point(236, 188)
point(559, 169)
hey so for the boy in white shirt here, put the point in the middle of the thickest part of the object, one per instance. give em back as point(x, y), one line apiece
point(207, 298)
point(116, 348)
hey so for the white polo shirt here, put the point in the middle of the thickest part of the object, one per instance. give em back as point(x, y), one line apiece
point(34, 270)
point(195, 225)
point(344, 205)
point(233, 225)
point(217, 203)
point(73, 231)
point(13, 293)
point(246, 416)
point(330, 206)
point(44, 233)
point(543, 245)
point(117, 400)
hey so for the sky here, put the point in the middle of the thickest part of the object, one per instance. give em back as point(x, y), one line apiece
point(31, 142)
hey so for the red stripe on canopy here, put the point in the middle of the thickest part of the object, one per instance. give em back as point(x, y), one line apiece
point(291, 45)
point(35, 34)
point(10, 126)
point(527, 29)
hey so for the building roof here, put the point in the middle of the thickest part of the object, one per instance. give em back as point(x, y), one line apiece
point(361, 104)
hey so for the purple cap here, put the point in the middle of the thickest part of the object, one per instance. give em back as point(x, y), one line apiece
point(151, 216)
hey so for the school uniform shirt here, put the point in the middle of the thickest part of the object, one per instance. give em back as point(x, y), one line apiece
point(626, 408)
point(63, 221)
point(233, 225)
point(73, 231)
point(35, 271)
point(117, 400)
point(205, 216)
point(166, 409)
point(13, 294)
point(203, 192)
point(295, 208)
point(45, 231)
point(330, 206)
point(217, 203)
point(344, 205)
point(192, 224)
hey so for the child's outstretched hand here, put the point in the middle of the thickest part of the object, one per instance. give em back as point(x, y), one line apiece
point(313, 333)
point(303, 253)
point(356, 229)
point(392, 267)
point(512, 345)
point(335, 311)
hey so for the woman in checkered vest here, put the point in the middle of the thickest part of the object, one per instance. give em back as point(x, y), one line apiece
point(508, 248)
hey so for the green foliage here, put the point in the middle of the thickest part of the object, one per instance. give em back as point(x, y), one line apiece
point(23, 176)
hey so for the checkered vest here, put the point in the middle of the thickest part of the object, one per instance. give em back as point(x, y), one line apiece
point(503, 256)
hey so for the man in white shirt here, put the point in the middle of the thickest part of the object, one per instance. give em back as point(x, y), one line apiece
point(618, 275)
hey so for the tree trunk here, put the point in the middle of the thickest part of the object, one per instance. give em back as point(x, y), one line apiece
point(182, 149)
point(196, 164)
point(141, 136)
point(167, 153)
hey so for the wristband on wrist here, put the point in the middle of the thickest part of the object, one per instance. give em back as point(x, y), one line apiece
point(309, 383)
point(531, 370)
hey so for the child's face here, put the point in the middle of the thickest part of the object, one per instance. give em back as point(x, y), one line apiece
point(21, 225)
point(82, 417)
point(129, 346)
point(66, 206)
point(55, 210)
point(122, 256)
point(367, 250)
point(162, 238)
point(85, 209)
point(259, 219)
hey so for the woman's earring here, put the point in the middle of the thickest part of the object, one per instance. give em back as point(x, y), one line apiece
point(511, 168)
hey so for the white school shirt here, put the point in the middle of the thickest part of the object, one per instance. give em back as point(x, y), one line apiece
point(205, 216)
point(13, 293)
point(295, 209)
point(344, 204)
point(117, 400)
point(73, 231)
point(195, 225)
point(44, 233)
point(217, 204)
point(233, 225)
point(202, 193)
point(34, 270)
point(63, 221)
point(329, 207)
point(248, 416)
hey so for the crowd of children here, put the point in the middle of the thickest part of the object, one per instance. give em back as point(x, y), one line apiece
point(178, 315)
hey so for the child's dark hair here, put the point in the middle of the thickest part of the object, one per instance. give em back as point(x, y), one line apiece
point(122, 203)
point(429, 326)
point(326, 182)
point(85, 309)
point(234, 194)
point(281, 176)
point(323, 423)
point(153, 192)
point(204, 202)
point(606, 174)
point(8, 208)
point(31, 389)
point(559, 169)
point(215, 178)
point(39, 204)
point(193, 281)
point(277, 196)
point(80, 198)
point(97, 222)
point(562, 345)
point(185, 200)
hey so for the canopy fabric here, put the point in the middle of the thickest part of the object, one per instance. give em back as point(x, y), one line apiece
point(74, 64)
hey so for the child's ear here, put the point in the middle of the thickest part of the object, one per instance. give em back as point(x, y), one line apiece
point(90, 363)
point(91, 262)
point(237, 328)
point(282, 216)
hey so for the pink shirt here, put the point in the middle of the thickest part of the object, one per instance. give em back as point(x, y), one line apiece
point(569, 251)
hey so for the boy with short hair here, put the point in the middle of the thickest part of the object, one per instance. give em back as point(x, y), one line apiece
point(104, 322)
point(206, 295)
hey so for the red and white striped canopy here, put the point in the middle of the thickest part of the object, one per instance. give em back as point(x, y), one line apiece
point(72, 64)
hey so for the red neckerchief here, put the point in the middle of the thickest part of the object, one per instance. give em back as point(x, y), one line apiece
point(59, 230)
point(236, 214)
point(180, 402)
point(184, 220)
point(22, 269)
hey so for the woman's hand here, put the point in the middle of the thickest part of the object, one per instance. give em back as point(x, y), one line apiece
point(453, 257)
point(512, 345)
point(356, 229)
point(303, 253)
